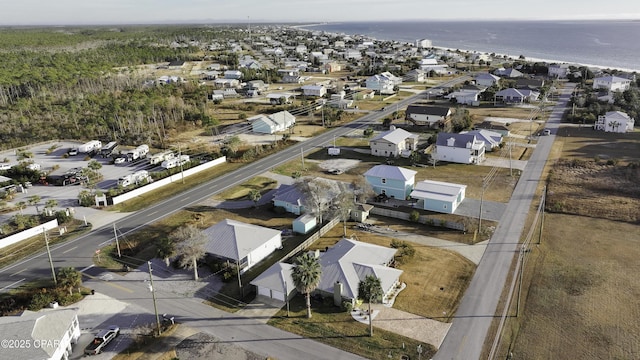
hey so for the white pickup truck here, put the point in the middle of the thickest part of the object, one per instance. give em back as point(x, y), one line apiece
point(101, 340)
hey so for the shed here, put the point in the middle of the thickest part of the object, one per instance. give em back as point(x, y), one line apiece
point(304, 223)
point(275, 282)
point(438, 196)
point(361, 212)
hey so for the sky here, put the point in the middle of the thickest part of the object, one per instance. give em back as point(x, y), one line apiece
point(94, 12)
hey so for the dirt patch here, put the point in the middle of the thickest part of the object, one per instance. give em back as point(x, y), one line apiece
point(342, 164)
point(206, 346)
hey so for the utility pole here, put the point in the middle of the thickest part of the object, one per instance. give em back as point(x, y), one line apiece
point(510, 166)
point(153, 294)
point(302, 157)
point(53, 270)
point(520, 275)
point(286, 290)
point(480, 215)
point(115, 233)
point(180, 160)
point(544, 199)
point(239, 279)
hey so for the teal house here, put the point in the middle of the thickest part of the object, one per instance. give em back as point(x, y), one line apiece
point(392, 181)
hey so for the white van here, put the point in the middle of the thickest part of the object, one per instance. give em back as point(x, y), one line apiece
point(546, 132)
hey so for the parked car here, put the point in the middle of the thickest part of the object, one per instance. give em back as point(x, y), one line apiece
point(101, 340)
point(73, 152)
point(119, 161)
point(546, 132)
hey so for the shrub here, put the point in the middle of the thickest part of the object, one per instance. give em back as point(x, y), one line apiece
point(41, 300)
point(347, 306)
point(414, 216)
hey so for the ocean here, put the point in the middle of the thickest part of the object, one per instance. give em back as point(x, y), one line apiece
point(606, 44)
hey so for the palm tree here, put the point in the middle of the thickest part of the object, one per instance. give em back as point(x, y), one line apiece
point(21, 205)
point(370, 290)
point(50, 204)
point(165, 249)
point(69, 278)
point(255, 196)
point(306, 276)
point(34, 200)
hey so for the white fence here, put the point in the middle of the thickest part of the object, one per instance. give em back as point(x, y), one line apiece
point(23, 235)
point(424, 219)
point(168, 180)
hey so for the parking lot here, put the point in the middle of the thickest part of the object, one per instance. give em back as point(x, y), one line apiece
point(51, 158)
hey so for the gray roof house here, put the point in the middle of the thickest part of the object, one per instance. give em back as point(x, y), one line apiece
point(349, 261)
point(272, 123)
point(394, 142)
point(289, 197)
point(243, 243)
point(275, 282)
point(58, 328)
point(491, 139)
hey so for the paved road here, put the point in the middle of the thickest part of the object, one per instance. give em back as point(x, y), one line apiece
point(477, 310)
point(78, 253)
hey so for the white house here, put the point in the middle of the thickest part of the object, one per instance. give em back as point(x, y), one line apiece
point(438, 196)
point(510, 72)
point(559, 71)
point(394, 142)
point(275, 282)
point(348, 262)
point(314, 90)
point(427, 115)
point(465, 96)
point(243, 244)
point(49, 334)
point(611, 83)
point(380, 84)
point(492, 139)
point(512, 95)
point(459, 148)
point(269, 124)
point(486, 79)
point(233, 74)
point(614, 121)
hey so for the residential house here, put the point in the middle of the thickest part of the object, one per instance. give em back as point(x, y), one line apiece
point(233, 74)
point(352, 54)
point(257, 85)
point(332, 66)
point(349, 262)
point(459, 148)
point(492, 139)
point(224, 83)
point(314, 90)
point(361, 212)
point(301, 49)
point(493, 127)
point(486, 79)
point(416, 75)
point(531, 84)
point(279, 98)
point(289, 197)
point(611, 83)
point(438, 196)
point(559, 71)
point(393, 143)
point(276, 282)
point(614, 121)
point(467, 95)
point(424, 44)
point(225, 93)
point(392, 181)
point(49, 334)
point(510, 73)
point(512, 95)
point(243, 244)
point(380, 84)
point(428, 115)
point(272, 123)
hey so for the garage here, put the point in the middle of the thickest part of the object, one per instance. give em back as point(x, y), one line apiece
point(275, 282)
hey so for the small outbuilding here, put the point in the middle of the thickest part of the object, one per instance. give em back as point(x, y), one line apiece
point(276, 283)
point(438, 196)
point(304, 223)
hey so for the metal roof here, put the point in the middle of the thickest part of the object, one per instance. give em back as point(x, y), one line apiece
point(391, 172)
point(234, 240)
point(437, 190)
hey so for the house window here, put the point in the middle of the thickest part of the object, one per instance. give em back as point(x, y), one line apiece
point(444, 206)
point(383, 192)
point(384, 181)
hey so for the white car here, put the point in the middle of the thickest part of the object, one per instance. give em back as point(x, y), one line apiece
point(73, 152)
point(119, 161)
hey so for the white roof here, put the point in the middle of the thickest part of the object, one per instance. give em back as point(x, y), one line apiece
point(275, 277)
point(279, 95)
point(391, 172)
point(612, 115)
point(437, 190)
point(234, 240)
point(394, 136)
point(51, 325)
point(350, 261)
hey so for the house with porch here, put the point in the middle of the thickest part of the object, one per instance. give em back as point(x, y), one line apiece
point(459, 148)
point(241, 243)
point(393, 143)
point(518, 96)
point(349, 262)
point(615, 121)
point(492, 139)
point(438, 196)
point(392, 181)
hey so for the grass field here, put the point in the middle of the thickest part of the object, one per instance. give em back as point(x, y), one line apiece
point(581, 286)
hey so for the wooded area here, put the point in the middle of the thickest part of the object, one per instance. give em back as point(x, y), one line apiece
point(82, 83)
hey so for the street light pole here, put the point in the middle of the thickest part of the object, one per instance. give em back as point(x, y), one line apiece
point(115, 233)
point(153, 294)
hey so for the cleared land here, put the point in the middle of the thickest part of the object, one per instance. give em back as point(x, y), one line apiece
point(583, 301)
